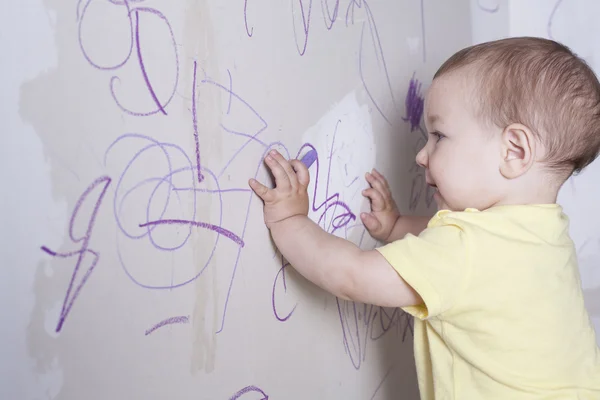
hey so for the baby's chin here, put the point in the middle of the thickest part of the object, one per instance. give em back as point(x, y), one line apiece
point(440, 202)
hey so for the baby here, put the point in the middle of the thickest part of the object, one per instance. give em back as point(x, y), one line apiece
point(492, 278)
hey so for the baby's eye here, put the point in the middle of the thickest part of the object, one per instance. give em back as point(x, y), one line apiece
point(438, 136)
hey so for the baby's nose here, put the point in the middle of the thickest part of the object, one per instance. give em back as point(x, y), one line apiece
point(422, 158)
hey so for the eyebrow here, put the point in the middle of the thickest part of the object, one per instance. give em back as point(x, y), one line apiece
point(433, 118)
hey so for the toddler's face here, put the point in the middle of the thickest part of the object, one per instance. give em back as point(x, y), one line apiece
point(461, 157)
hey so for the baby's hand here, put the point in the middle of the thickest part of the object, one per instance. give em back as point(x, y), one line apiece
point(289, 197)
point(384, 212)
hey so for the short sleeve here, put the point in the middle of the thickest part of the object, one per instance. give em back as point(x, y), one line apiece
point(434, 264)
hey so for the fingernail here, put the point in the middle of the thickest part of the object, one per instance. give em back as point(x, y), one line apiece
point(273, 152)
point(268, 158)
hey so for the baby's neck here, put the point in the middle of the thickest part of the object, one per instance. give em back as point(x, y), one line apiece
point(537, 190)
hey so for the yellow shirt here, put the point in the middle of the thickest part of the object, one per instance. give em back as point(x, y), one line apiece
point(504, 316)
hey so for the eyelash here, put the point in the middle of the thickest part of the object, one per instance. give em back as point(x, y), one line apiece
point(438, 135)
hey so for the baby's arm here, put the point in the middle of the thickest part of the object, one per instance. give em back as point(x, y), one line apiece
point(384, 222)
point(332, 263)
point(340, 267)
point(406, 224)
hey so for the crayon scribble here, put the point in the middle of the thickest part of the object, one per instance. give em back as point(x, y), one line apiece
point(359, 322)
point(163, 192)
point(302, 13)
point(305, 24)
point(249, 389)
point(166, 197)
point(195, 125)
point(381, 383)
point(551, 19)
point(490, 9)
point(414, 103)
point(74, 288)
point(135, 41)
point(280, 276)
point(168, 321)
point(251, 31)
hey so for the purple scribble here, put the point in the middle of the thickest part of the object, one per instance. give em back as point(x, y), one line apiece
point(251, 31)
point(327, 16)
point(352, 182)
point(252, 136)
point(168, 155)
point(202, 190)
point(351, 336)
point(305, 25)
point(230, 91)
point(551, 19)
point(73, 292)
point(350, 11)
point(165, 187)
point(414, 104)
point(134, 36)
point(160, 106)
point(164, 198)
point(249, 389)
point(141, 61)
point(354, 333)
point(228, 234)
point(330, 17)
point(168, 321)
point(415, 191)
point(121, 194)
point(149, 224)
point(77, 9)
point(281, 273)
point(376, 321)
point(378, 54)
point(123, 2)
point(80, 18)
point(340, 220)
point(381, 383)
point(195, 125)
point(490, 10)
point(429, 193)
point(260, 164)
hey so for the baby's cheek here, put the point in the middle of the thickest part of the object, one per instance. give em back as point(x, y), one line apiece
point(457, 182)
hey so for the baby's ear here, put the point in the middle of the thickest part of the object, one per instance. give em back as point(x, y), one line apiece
point(518, 150)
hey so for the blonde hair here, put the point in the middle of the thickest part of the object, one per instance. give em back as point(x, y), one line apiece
point(543, 85)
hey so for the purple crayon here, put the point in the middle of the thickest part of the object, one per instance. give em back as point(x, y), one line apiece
point(309, 158)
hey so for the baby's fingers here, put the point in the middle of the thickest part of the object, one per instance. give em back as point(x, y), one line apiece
point(377, 201)
point(287, 168)
point(371, 223)
point(377, 181)
point(282, 179)
point(301, 172)
point(266, 194)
